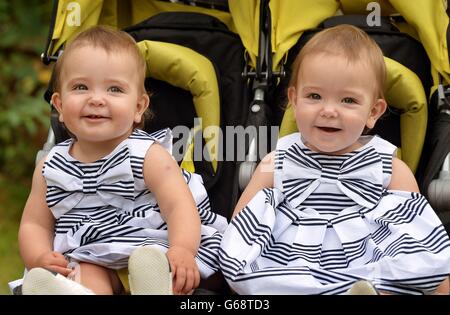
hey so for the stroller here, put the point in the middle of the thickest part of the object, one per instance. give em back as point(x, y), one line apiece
point(233, 58)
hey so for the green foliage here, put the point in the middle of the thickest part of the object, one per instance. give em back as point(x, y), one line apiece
point(12, 200)
point(24, 115)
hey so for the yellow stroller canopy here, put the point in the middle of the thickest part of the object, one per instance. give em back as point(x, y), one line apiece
point(427, 21)
point(73, 17)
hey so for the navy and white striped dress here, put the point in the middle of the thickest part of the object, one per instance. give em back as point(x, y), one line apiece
point(104, 210)
point(329, 221)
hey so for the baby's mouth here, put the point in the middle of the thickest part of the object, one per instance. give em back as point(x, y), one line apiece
point(94, 116)
point(329, 129)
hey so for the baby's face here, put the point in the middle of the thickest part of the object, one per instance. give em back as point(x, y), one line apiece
point(99, 99)
point(333, 101)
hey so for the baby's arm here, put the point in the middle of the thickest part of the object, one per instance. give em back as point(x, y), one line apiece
point(36, 230)
point(261, 178)
point(164, 179)
point(402, 178)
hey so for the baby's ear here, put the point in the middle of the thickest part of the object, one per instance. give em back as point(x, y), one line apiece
point(142, 106)
point(292, 95)
point(377, 110)
point(56, 102)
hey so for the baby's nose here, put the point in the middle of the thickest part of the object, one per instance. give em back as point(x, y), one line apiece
point(97, 99)
point(329, 110)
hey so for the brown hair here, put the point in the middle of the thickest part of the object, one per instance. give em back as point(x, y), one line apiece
point(111, 40)
point(349, 41)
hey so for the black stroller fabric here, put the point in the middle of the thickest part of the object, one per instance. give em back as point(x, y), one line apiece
point(437, 145)
point(435, 151)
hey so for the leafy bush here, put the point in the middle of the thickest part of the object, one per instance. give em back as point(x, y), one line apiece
point(24, 115)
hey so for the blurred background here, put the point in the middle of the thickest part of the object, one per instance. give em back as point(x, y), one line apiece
point(24, 117)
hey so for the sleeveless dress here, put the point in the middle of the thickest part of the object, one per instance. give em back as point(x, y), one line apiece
point(104, 211)
point(330, 221)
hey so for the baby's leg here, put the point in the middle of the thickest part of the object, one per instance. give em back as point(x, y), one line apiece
point(99, 279)
point(443, 288)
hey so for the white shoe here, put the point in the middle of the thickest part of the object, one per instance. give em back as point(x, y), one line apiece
point(149, 272)
point(40, 281)
point(362, 287)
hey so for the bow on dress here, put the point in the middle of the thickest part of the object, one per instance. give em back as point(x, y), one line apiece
point(110, 179)
point(360, 176)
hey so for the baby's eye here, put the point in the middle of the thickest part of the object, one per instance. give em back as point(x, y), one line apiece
point(115, 89)
point(314, 96)
point(349, 100)
point(80, 87)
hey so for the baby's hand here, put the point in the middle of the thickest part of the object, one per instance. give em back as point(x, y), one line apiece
point(186, 276)
point(53, 261)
